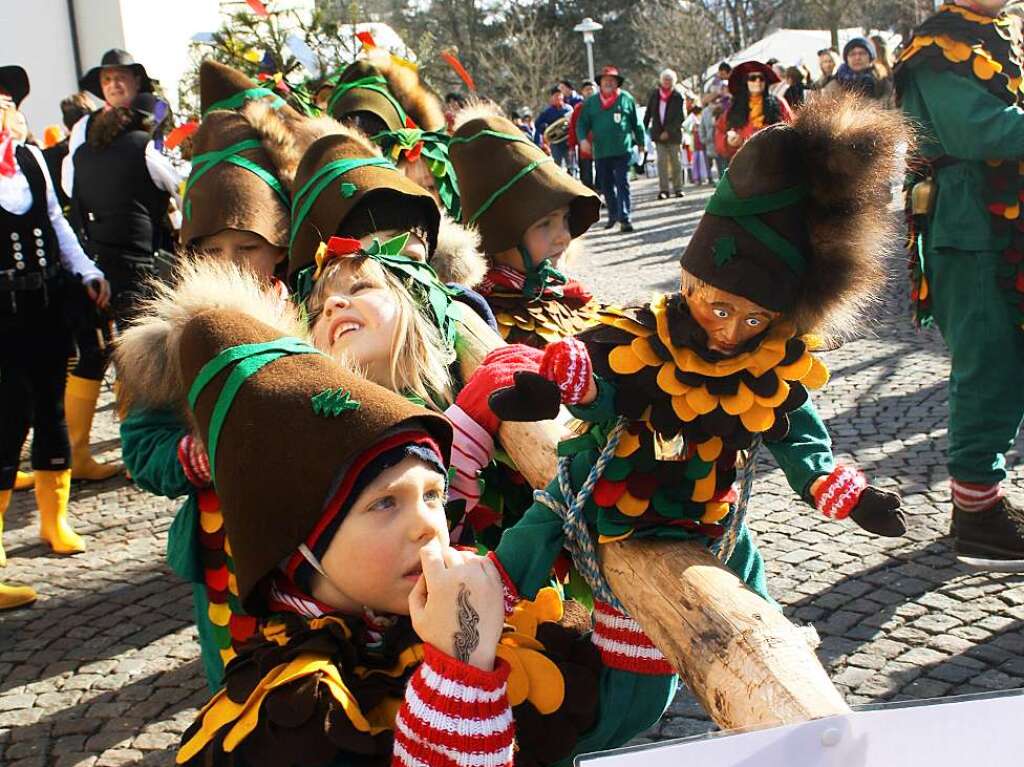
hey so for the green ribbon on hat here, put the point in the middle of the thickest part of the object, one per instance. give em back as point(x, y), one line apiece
point(308, 194)
point(247, 359)
point(241, 98)
point(746, 212)
point(375, 83)
point(434, 154)
point(202, 164)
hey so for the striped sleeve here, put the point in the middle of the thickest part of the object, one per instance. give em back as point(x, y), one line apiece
point(454, 715)
point(624, 645)
point(472, 448)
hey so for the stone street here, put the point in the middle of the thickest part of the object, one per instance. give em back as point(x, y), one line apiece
point(104, 669)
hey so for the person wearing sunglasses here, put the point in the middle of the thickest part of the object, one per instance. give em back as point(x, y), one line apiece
point(753, 107)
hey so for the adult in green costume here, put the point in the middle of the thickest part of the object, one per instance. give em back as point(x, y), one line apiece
point(959, 77)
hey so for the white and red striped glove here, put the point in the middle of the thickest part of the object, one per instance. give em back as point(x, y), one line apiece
point(454, 714)
point(567, 364)
point(624, 645)
point(194, 462)
point(837, 496)
point(472, 450)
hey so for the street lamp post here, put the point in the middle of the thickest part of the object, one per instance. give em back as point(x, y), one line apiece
point(588, 27)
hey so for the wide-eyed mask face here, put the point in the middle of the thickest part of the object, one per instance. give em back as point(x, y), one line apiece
point(247, 250)
point(120, 85)
point(729, 320)
point(357, 319)
point(373, 561)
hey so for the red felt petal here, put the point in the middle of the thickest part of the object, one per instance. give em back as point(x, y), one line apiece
point(607, 493)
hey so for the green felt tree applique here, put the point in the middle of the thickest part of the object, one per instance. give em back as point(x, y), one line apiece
point(330, 403)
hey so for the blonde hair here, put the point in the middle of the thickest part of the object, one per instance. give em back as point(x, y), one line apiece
point(418, 357)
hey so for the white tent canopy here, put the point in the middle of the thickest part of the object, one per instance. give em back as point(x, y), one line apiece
point(793, 47)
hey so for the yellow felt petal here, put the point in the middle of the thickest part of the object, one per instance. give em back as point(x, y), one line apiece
point(713, 512)
point(668, 382)
point(710, 450)
point(630, 505)
point(985, 68)
point(227, 546)
point(734, 404)
point(796, 370)
point(776, 399)
point(210, 521)
point(233, 584)
point(628, 443)
point(516, 639)
point(758, 419)
point(642, 349)
point(613, 538)
point(218, 712)
point(683, 409)
point(518, 681)
point(547, 605)
point(547, 686)
point(624, 361)
point(704, 488)
point(220, 614)
point(701, 400)
point(817, 376)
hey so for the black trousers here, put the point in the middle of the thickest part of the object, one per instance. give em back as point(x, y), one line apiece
point(587, 173)
point(33, 371)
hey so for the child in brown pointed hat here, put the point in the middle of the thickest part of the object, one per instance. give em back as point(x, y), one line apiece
point(333, 496)
point(528, 211)
point(683, 391)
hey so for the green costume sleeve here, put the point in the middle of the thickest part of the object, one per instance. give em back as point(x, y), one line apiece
point(149, 442)
point(602, 409)
point(529, 548)
point(806, 452)
point(969, 121)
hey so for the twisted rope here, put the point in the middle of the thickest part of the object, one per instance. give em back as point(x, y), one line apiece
point(578, 540)
point(724, 546)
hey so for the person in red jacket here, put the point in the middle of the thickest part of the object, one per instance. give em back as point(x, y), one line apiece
point(586, 159)
point(752, 108)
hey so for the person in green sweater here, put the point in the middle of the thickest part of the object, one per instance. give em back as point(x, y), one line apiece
point(958, 77)
point(610, 114)
point(679, 394)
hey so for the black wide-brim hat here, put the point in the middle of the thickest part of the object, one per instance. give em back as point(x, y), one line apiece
point(115, 57)
point(14, 82)
point(740, 72)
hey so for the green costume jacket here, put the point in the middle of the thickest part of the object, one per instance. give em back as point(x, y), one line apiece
point(149, 443)
point(616, 130)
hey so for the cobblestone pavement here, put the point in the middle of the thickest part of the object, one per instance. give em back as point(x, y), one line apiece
point(103, 670)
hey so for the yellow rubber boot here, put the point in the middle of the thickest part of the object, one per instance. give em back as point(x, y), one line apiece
point(80, 406)
point(24, 481)
point(53, 488)
point(15, 596)
point(5, 501)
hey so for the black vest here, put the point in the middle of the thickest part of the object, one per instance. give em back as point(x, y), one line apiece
point(119, 205)
point(29, 250)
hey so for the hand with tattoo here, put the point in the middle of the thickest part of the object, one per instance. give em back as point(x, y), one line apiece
point(457, 604)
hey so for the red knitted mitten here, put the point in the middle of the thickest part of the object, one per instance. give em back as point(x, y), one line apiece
point(839, 493)
point(496, 372)
point(567, 364)
point(624, 645)
point(194, 461)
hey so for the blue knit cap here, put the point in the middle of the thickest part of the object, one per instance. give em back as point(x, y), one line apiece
point(860, 42)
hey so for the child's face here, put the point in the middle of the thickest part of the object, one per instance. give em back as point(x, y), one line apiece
point(247, 250)
point(374, 559)
point(729, 320)
point(547, 238)
point(415, 248)
point(356, 324)
point(420, 174)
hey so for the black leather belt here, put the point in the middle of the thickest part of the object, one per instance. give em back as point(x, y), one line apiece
point(14, 279)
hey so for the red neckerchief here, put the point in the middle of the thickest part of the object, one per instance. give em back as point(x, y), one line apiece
point(609, 102)
point(664, 93)
point(508, 278)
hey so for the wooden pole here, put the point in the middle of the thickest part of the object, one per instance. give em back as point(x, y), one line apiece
point(746, 664)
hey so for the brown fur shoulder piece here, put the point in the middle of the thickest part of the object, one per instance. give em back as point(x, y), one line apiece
point(107, 125)
point(419, 102)
point(286, 139)
point(457, 257)
point(476, 107)
point(147, 352)
point(854, 152)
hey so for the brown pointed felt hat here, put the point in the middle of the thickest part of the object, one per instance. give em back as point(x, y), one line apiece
point(361, 87)
point(233, 189)
point(224, 87)
point(344, 186)
point(282, 434)
point(507, 183)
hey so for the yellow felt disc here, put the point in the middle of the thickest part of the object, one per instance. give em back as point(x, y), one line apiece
point(817, 376)
point(630, 505)
point(713, 512)
point(628, 443)
point(643, 350)
point(710, 450)
point(734, 404)
point(758, 419)
point(683, 409)
point(796, 370)
point(668, 382)
point(701, 400)
point(624, 361)
point(704, 489)
point(781, 392)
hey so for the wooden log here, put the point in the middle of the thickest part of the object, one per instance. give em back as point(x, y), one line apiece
point(746, 664)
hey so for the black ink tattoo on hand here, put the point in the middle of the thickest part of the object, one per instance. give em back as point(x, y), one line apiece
point(467, 637)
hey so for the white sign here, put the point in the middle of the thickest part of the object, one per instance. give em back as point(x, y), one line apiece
point(954, 733)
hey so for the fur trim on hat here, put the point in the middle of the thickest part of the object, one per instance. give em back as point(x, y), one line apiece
point(421, 104)
point(457, 257)
point(286, 140)
point(147, 352)
point(854, 151)
point(474, 109)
